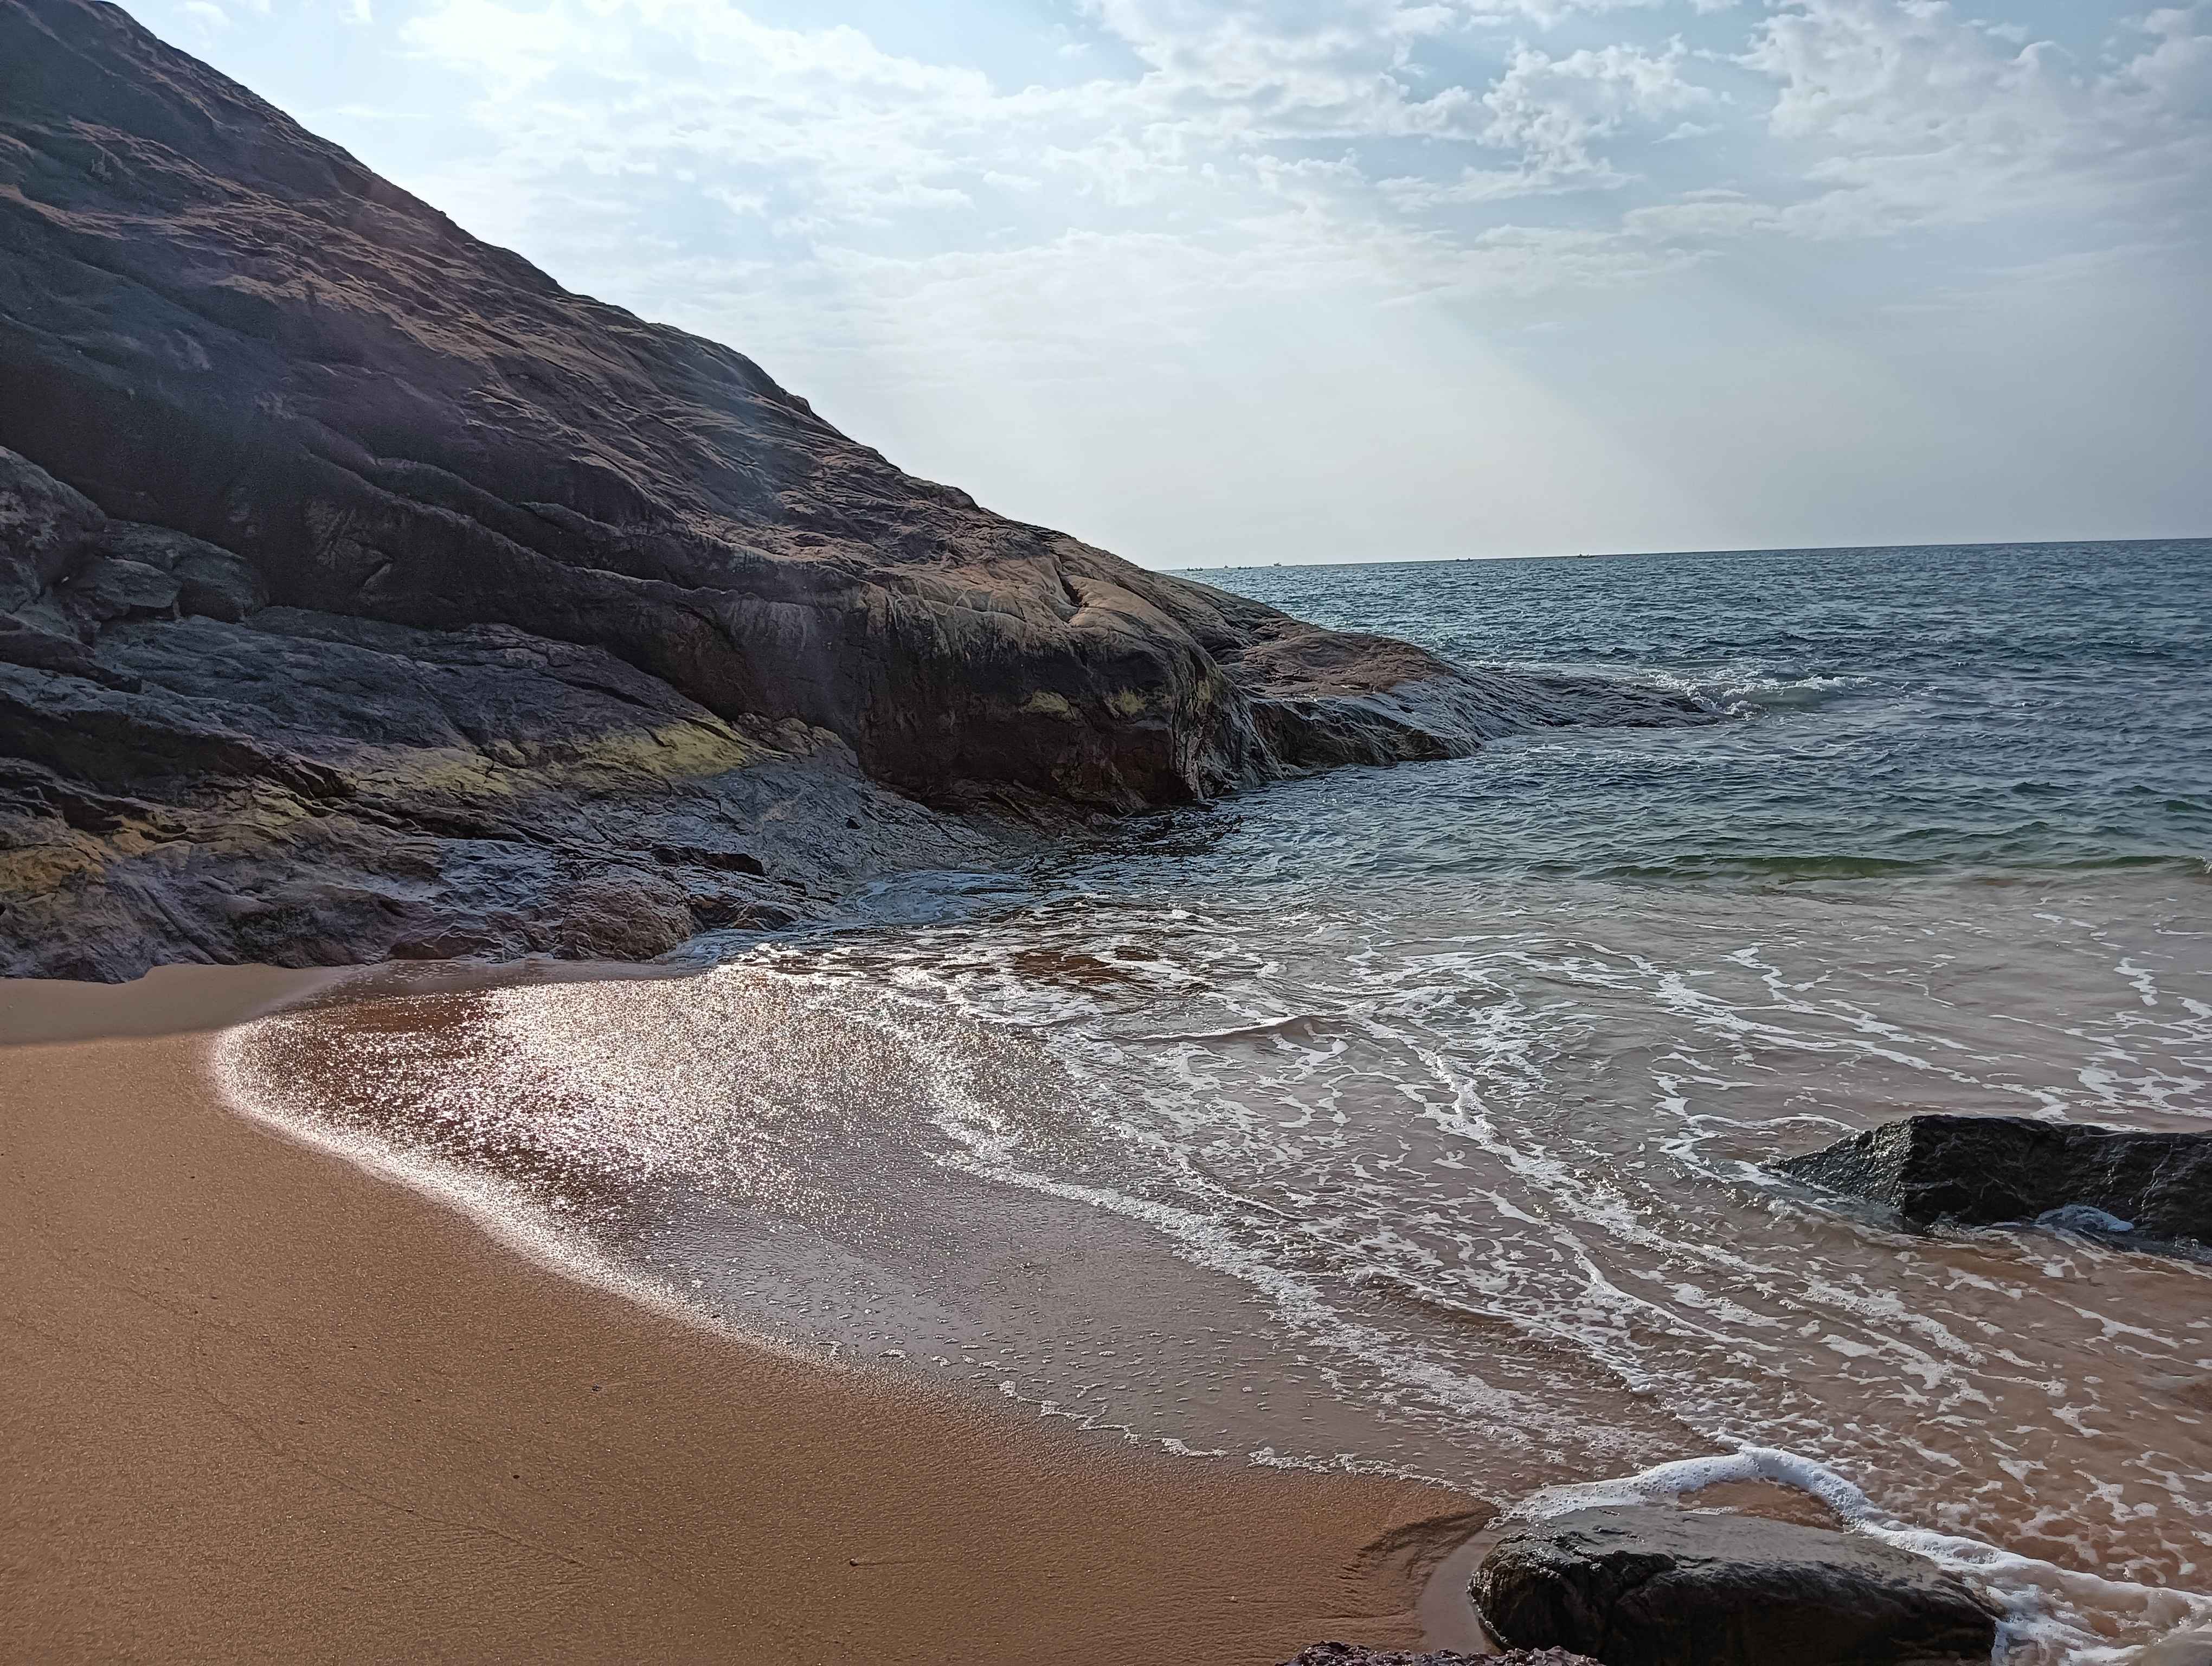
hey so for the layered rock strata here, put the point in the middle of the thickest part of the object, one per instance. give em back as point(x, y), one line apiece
point(304, 788)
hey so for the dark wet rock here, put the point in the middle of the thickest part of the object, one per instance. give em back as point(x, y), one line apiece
point(108, 587)
point(2144, 1190)
point(187, 773)
point(44, 527)
point(1654, 1586)
point(27, 645)
point(1347, 1654)
point(306, 788)
point(1326, 698)
point(381, 552)
point(210, 581)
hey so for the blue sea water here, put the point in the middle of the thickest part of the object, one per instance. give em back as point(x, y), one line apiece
point(1420, 1119)
point(1991, 707)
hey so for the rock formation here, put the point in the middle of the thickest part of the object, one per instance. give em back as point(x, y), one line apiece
point(1648, 1586)
point(2137, 1189)
point(305, 787)
point(363, 593)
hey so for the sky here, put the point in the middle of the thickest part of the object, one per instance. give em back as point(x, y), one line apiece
point(1232, 282)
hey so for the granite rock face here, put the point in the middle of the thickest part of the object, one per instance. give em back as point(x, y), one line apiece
point(305, 788)
point(271, 412)
point(2145, 1190)
point(1640, 1585)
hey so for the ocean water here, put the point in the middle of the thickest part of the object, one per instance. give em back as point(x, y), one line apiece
point(1416, 1120)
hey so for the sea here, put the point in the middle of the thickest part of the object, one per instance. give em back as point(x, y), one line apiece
point(1420, 1121)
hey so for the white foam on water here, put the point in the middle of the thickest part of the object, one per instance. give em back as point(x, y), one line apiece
point(1752, 690)
point(505, 1214)
point(1491, 1177)
point(1545, 1230)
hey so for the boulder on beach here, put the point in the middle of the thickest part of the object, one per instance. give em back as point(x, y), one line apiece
point(2146, 1189)
point(1649, 1585)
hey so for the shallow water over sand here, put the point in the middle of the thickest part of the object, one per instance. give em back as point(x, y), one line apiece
point(1358, 1125)
point(1480, 1199)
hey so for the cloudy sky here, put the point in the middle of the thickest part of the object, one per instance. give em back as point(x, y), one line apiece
point(1231, 281)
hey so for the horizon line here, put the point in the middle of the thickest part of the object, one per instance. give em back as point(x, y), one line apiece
point(1742, 550)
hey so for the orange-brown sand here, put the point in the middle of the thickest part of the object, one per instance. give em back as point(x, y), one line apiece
point(261, 1406)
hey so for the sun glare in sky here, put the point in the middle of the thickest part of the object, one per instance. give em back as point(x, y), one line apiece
point(1235, 281)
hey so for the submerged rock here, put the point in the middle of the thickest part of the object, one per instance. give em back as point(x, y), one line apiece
point(2138, 1189)
point(362, 589)
point(1646, 1585)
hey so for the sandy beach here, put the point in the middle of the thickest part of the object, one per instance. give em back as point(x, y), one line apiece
point(1004, 968)
point(268, 1407)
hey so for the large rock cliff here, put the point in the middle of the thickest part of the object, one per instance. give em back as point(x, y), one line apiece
point(362, 592)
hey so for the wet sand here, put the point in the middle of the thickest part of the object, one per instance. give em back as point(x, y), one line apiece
point(266, 1407)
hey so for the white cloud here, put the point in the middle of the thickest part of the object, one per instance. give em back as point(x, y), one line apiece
point(1551, 109)
point(1550, 14)
point(824, 189)
point(1553, 112)
point(1927, 117)
point(1885, 116)
point(2176, 72)
point(1200, 187)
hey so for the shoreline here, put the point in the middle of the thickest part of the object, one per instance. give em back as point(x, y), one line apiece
point(276, 1407)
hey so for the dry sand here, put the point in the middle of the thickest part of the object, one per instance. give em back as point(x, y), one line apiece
point(261, 1406)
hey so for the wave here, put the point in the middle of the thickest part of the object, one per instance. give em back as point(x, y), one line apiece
point(1971, 863)
point(1484, 1185)
point(1754, 691)
point(1492, 702)
point(1495, 701)
point(1762, 695)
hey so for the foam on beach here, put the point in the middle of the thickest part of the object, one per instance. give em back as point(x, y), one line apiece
point(1416, 1232)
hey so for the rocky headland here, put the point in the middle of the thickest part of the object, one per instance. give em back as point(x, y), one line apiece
point(364, 594)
